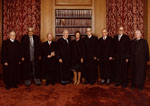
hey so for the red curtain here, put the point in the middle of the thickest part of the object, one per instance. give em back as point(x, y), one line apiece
point(126, 13)
point(18, 15)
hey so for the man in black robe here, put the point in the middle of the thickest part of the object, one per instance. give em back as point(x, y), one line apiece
point(90, 43)
point(121, 58)
point(139, 58)
point(64, 57)
point(49, 60)
point(105, 56)
point(11, 60)
point(31, 57)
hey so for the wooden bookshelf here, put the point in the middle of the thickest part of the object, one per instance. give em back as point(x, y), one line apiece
point(73, 20)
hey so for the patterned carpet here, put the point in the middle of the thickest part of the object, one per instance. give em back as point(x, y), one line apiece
point(70, 95)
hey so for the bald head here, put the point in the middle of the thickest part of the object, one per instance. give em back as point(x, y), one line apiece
point(12, 35)
point(49, 37)
point(89, 31)
point(65, 34)
point(30, 31)
point(121, 30)
point(104, 32)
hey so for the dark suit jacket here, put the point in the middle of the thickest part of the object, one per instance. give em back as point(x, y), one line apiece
point(121, 48)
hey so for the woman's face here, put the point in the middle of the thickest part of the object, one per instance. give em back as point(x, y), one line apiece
point(77, 35)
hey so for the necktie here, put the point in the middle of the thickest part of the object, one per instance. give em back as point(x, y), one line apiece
point(67, 40)
point(31, 41)
point(49, 44)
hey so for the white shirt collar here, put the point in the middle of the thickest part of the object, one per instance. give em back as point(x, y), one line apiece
point(12, 40)
point(49, 42)
point(121, 35)
point(104, 37)
point(65, 38)
point(90, 36)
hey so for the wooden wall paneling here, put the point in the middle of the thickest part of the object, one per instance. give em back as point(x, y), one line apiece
point(148, 29)
point(99, 16)
point(73, 2)
point(48, 15)
point(46, 18)
point(0, 33)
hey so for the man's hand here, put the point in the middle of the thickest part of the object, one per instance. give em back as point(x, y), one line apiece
point(127, 60)
point(22, 59)
point(60, 60)
point(49, 56)
point(81, 60)
point(6, 64)
point(40, 57)
point(53, 53)
point(95, 58)
point(110, 58)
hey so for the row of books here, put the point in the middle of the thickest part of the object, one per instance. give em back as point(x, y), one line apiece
point(59, 31)
point(73, 22)
point(73, 13)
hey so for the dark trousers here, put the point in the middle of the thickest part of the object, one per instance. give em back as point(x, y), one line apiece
point(121, 72)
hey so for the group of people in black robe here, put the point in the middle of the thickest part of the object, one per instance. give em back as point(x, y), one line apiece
point(67, 61)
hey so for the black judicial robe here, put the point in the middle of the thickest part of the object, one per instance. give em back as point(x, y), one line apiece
point(90, 51)
point(139, 58)
point(11, 54)
point(64, 52)
point(104, 52)
point(121, 53)
point(77, 54)
point(25, 42)
point(49, 64)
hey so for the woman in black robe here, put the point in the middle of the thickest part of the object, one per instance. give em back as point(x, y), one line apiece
point(49, 60)
point(139, 58)
point(10, 61)
point(77, 57)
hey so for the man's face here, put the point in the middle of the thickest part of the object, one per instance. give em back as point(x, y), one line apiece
point(121, 30)
point(104, 33)
point(12, 35)
point(65, 34)
point(137, 34)
point(30, 33)
point(89, 31)
point(49, 37)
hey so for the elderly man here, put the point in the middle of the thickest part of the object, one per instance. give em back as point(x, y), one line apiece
point(105, 56)
point(11, 60)
point(90, 43)
point(64, 57)
point(49, 60)
point(121, 58)
point(30, 57)
point(139, 57)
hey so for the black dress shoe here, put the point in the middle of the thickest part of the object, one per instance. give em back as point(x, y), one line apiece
point(124, 86)
point(140, 88)
point(53, 83)
point(15, 86)
point(7, 87)
point(86, 82)
point(47, 83)
point(91, 82)
point(132, 87)
point(118, 84)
